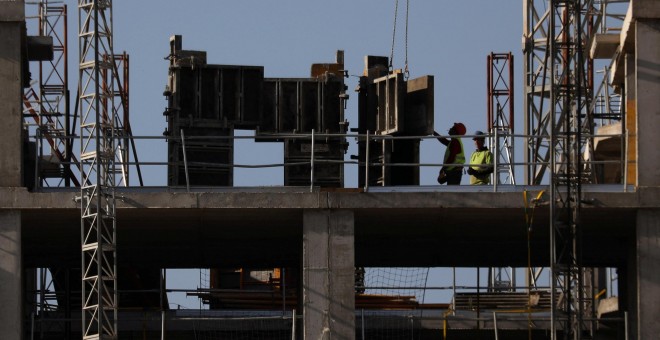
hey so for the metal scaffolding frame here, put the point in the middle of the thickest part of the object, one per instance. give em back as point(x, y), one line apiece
point(54, 88)
point(500, 99)
point(501, 114)
point(559, 112)
point(49, 107)
point(98, 133)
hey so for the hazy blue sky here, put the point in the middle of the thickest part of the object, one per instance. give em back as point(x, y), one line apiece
point(447, 39)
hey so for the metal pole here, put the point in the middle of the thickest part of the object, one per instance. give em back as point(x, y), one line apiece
point(36, 159)
point(496, 173)
point(162, 304)
point(162, 325)
point(625, 324)
point(283, 283)
point(625, 162)
point(478, 293)
point(293, 324)
point(362, 321)
point(495, 325)
point(185, 160)
point(311, 166)
point(453, 288)
point(32, 326)
point(366, 165)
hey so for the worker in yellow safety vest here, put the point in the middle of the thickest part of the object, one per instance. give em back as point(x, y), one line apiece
point(452, 169)
point(481, 162)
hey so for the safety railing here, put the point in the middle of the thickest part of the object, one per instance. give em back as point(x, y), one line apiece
point(44, 173)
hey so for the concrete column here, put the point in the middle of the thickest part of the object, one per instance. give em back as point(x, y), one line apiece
point(12, 17)
point(328, 285)
point(648, 273)
point(647, 62)
point(10, 275)
point(631, 119)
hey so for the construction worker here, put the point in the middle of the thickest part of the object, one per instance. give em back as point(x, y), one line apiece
point(451, 173)
point(481, 162)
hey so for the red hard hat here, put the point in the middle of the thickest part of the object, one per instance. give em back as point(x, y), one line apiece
point(460, 128)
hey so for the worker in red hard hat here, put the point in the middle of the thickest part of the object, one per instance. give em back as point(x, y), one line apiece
point(452, 168)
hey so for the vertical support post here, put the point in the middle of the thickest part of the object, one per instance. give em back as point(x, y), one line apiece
point(328, 274)
point(162, 302)
point(311, 166)
point(362, 323)
point(293, 324)
point(185, 160)
point(366, 164)
point(495, 325)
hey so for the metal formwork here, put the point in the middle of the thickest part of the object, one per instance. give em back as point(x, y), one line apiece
point(205, 103)
point(390, 105)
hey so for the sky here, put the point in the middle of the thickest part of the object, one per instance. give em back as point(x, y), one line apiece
point(447, 39)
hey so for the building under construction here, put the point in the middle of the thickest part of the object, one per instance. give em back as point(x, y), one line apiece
point(571, 251)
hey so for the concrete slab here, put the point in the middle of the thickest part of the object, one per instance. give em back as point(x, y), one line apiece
point(604, 46)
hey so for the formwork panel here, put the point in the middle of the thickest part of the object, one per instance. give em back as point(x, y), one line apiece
point(332, 110)
point(390, 91)
point(310, 105)
point(301, 105)
point(288, 106)
point(419, 106)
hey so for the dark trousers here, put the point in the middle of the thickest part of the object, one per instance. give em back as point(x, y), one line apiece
point(451, 177)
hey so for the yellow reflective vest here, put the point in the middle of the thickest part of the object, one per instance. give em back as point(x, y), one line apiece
point(458, 159)
point(481, 160)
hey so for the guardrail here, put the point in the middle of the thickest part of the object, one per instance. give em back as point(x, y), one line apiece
point(517, 167)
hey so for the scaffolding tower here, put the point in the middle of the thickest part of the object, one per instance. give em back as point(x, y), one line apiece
point(98, 133)
point(500, 96)
point(48, 107)
point(558, 91)
point(501, 115)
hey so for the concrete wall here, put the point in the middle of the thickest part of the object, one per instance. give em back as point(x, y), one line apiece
point(646, 14)
point(648, 274)
point(328, 274)
point(647, 62)
point(10, 275)
point(12, 17)
point(11, 91)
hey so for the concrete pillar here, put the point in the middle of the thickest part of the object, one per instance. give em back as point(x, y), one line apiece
point(631, 119)
point(12, 18)
point(647, 62)
point(10, 275)
point(648, 273)
point(328, 286)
